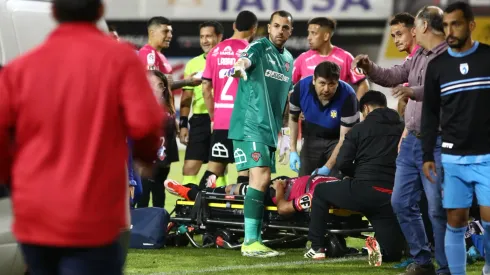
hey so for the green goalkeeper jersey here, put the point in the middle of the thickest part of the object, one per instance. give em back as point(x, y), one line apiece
point(261, 99)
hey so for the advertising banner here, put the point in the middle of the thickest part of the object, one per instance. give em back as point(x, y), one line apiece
point(228, 9)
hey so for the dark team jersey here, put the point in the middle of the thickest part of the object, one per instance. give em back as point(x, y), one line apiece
point(324, 120)
point(457, 96)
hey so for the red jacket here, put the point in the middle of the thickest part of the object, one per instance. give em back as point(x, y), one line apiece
point(71, 103)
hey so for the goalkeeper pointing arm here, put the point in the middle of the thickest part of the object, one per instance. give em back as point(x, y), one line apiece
point(265, 69)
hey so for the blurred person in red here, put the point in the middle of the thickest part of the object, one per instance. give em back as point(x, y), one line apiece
point(69, 126)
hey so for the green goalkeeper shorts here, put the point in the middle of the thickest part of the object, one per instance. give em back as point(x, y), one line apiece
point(249, 154)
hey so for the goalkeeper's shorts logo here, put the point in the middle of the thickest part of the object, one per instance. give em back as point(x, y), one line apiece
point(240, 156)
point(256, 156)
point(219, 151)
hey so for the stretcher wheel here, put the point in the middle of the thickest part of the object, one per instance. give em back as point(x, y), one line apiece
point(176, 240)
point(335, 245)
point(207, 238)
point(223, 236)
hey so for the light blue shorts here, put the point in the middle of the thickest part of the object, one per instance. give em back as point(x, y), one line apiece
point(461, 181)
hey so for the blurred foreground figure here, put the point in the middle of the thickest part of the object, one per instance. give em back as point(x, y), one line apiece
point(66, 110)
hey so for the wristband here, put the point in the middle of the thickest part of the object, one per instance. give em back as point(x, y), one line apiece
point(183, 122)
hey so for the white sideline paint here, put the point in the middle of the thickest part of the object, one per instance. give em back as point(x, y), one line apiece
point(214, 270)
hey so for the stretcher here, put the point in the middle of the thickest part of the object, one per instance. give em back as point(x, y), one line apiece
point(216, 220)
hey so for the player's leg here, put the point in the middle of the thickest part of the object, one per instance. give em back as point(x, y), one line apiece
point(144, 199)
point(457, 199)
point(197, 150)
point(255, 157)
point(158, 188)
point(220, 154)
point(326, 195)
point(482, 189)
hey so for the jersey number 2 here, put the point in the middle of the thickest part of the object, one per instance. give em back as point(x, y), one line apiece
point(229, 81)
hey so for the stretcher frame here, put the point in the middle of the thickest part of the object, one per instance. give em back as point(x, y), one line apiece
point(218, 218)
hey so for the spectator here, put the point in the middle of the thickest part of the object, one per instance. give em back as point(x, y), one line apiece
point(70, 134)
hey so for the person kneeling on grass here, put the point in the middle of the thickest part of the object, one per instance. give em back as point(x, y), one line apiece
point(290, 195)
point(368, 158)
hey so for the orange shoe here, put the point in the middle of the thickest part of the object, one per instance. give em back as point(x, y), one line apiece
point(175, 188)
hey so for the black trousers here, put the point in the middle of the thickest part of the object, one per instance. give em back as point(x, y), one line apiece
point(154, 186)
point(360, 196)
point(315, 152)
point(50, 260)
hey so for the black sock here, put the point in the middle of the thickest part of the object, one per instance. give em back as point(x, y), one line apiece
point(204, 179)
point(194, 190)
point(242, 179)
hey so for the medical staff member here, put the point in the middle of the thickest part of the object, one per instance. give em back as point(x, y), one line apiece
point(330, 108)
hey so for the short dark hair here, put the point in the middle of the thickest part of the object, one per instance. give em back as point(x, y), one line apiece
point(157, 21)
point(218, 28)
point(327, 70)
point(112, 28)
point(245, 21)
point(433, 18)
point(324, 22)
point(281, 13)
point(77, 10)
point(403, 18)
point(462, 6)
point(373, 98)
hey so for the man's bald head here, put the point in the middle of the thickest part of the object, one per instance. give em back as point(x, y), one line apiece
point(431, 15)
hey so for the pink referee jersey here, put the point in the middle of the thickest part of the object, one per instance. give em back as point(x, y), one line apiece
point(305, 65)
point(154, 60)
point(219, 60)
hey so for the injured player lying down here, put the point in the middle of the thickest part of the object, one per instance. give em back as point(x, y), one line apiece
point(290, 195)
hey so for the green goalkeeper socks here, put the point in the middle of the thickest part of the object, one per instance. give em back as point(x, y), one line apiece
point(253, 212)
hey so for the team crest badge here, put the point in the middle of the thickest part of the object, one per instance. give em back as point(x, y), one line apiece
point(256, 156)
point(464, 68)
point(333, 114)
point(287, 66)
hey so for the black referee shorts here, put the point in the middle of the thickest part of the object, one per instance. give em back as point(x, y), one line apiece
point(221, 149)
point(199, 138)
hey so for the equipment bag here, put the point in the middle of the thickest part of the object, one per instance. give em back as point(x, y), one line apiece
point(148, 227)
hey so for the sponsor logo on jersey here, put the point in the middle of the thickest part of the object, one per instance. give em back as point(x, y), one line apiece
point(227, 51)
point(447, 145)
point(276, 75)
